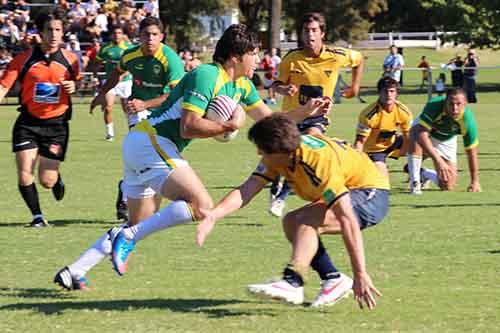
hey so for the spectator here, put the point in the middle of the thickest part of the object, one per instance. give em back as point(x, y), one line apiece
point(110, 6)
point(5, 59)
point(267, 65)
point(63, 5)
point(151, 8)
point(77, 12)
point(424, 64)
point(22, 11)
point(73, 45)
point(92, 7)
point(126, 10)
point(191, 60)
point(457, 74)
point(440, 84)
point(393, 63)
point(6, 7)
point(101, 20)
point(470, 73)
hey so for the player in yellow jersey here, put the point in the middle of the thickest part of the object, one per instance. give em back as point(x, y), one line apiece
point(384, 127)
point(347, 194)
point(312, 71)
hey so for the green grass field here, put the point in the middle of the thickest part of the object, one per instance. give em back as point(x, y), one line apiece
point(435, 257)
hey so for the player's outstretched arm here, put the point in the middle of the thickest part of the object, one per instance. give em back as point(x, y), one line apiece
point(233, 201)
point(473, 170)
point(363, 287)
point(357, 74)
point(3, 92)
point(314, 107)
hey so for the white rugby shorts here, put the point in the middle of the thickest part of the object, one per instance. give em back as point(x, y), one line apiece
point(148, 160)
point(447, 148)
point(123, 89)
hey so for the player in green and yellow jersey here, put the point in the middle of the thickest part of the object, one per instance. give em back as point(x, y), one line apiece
point(308, 72)
point(110, 54)
point(155, 69)
point(347, 193)
point(152, 161)
point(435, 136)
point(384, 127)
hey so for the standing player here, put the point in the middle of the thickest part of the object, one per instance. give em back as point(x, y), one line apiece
point(346, 191)
point(110, 54)
point(435, 136)
point(377, 130)
point(48, 76)
point(155, 68)
point(308, 72)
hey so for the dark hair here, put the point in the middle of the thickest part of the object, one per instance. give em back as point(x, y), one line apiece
point(386, 83)
point(313, 17)
point(454, 91)
point(117, 26)
point(236, 41)
point(149, 21)
point(277, 133)
point(44, 18)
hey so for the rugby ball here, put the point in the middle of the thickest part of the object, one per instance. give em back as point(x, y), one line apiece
point(220, 109)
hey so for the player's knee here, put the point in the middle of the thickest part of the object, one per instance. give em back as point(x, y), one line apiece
point(25, 177)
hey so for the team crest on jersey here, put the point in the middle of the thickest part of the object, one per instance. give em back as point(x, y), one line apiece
point(157, 69)
point(139, 67)
point(237, 97)
point(328, 73)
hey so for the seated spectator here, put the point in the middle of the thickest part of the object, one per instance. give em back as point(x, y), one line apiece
point(6, 7)
point(191, 61)
point(110, 6)
point(126, 10)
point(151, 8)
point(64, 6)
point(77, 12)
point(91, 7)
point(21, 11)
point(101, 20)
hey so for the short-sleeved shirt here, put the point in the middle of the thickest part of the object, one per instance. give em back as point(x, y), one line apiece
point(110, 54)
point(42, 94)
point(194, 92)
point(314, 76)
point(393, 61)
point(443, 127)
point(380, 126)
point(325, 169)
point(151, 74)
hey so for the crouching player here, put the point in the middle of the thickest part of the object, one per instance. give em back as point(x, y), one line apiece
point(347, 194)
point(435, 136)
point(384, 126)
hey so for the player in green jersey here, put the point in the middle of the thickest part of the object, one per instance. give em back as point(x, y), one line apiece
point(155, 69)
point(435, 136)
point(152, 162)
point(110, 54)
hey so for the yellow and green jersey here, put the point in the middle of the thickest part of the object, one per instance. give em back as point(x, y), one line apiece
point(324, 169)
point(110, 54)
point(380, 126)
point(443, 127)
point(151, 75)
point(194, 92)
point(314, 76)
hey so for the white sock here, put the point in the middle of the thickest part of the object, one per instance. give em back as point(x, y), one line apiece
point(430, 174)
point(110, 130)
point(414, 165)
point(178, 212)
point(93, 255)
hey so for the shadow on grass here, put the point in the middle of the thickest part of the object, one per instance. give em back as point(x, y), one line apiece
point(62, 223)
point(494, 251)
point(33, 293)
point(196, 305)
point(492, 204)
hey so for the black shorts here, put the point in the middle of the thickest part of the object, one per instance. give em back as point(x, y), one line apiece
point(320, 122)
point(381, 156)
point(51, 139)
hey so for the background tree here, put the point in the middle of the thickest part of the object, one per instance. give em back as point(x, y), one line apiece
point(274, 23)
point(349, 20)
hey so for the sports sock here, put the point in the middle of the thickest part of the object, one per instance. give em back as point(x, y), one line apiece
point(276, 186)
point(322, 263)
point(178, 212)
point(110, 130)
point(292, 277)
point(30, 196)
point(414, 165)
point(285, 191)
point(430, 174)
point(121, 197)
point(93, 255)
